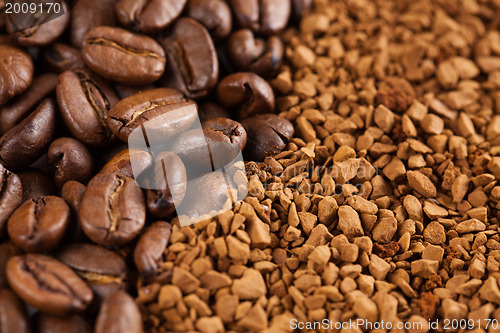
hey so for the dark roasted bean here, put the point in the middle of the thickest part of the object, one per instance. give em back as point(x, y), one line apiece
point(13, 316)
point(16, 72)
point(11, 195)
point(122, 56)
point(121, 164)
point(7, 251)
point(45, 323)
point(119, 313)
point(72, 193)
point(112, 211)
point(60, 57)
point(48, 284)
point(210, 110)
point(215, 15)
point(38, 225)
point(88, 14)
point(264, 16)
point(36, 183)
point(68, 159)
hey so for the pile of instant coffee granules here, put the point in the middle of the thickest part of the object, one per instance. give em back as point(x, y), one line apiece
point(383, 207)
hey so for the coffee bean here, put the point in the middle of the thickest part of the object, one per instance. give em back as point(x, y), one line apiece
point(38, 225)
point(193, 67)
point(247, 93)
point(72, 193)
point(119, 313)
point(226, 130)
point(148, 16)
point(150, 251)
point(215, 15)
point(7, 251)
point(84, 101)
point(40, 34)
point(68, 159)
point(13, 316)
point(11, 195)
point(36, 183)
point(134, 111)
point(166, 184)
point(268, 17)
point(16, 72)
point(60, 57)
point(17, 109)
point(123, 56)
point(267, 135)
point(103, 270)
point(48, 284)
point(210, 110)
point(88, 14)
point(28, 140)
point(120, 164)
point(112, 211)
point(45, 323)
point(263, 57)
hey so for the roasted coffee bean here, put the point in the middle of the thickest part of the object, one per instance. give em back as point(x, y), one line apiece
point(267, 135)
point(228, 130)
point(52, 324)
point(84, 101)
point(40, 34)
point(22, 105)
point(112, 211)
point(215, 15)
point(7, 251)
point(166, 184)
point(88, 14)
point(134, 111)
point(38, 225)
point(255, 55)
point(13, 316)
point(121, 164)
point(103, 270)
point(60, 57)
point(268, 17)
point(72, 193)
point(210, 110)
point(36, 183)
point(148, 16)
point(29, 139)
point(149, 253)
point(193, 67)
point(11, 195)
point(247, 93)
point(48, 284)
point(119, 313)
point(123, 56)
point(68, 159)
point(16, 72)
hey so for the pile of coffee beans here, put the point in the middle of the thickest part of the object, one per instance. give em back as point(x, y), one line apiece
point(80, 233)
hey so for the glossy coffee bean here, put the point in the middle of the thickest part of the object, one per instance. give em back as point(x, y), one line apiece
point(88, 14)
point(166, 185)
point(68, 159)
point(148, 16)
point(123, 56)
point(38, 225)
point(72, 193)
point(247, 93)
point(84, 101)
point(45, 323)
point(227, 130)
point(210, 110)
point(268, 17)
point(7, 251)
point(263, 57)
point(132, 112)
point(11, 195)
point(29, 139)
point(267, 135)
point(17, 109)
point(112, 211)
point(215, 15)
point(121, 164)
point(36, 183)
point(48, 284)
point(41, 34)
point(103, 270)
point(193, 67)
point(150, 251)
point(60, 57)
point(16, 72)
point(119, 313)
point(13, 316)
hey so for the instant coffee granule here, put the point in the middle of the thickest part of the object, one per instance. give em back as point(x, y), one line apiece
point(384, 205)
